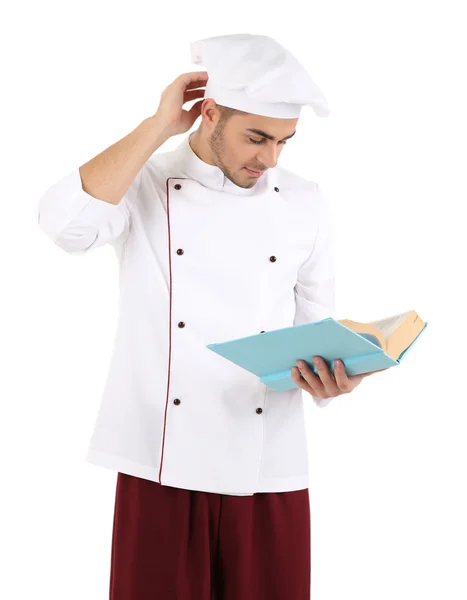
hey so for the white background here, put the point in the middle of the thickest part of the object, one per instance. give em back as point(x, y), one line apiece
point(388, 461)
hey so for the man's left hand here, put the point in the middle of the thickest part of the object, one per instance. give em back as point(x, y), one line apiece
point(325, 385)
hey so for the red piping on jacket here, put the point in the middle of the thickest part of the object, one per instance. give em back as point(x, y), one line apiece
point(170, 322)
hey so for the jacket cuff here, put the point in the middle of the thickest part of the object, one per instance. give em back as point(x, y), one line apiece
point(65, 200)
point(322, 402)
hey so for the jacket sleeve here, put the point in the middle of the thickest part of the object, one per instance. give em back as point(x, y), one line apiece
point(77, 221)
point(315, 287)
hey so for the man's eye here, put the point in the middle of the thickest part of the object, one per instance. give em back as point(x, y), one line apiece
point(261, 141)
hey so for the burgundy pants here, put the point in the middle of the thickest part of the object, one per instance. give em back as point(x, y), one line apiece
point(176, 544)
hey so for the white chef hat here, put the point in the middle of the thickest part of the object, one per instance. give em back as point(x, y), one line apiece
point(254, 73)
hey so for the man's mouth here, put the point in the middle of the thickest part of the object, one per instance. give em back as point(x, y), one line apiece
point(253, 173)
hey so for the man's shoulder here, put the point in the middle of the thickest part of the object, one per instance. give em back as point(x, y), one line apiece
point(161, 162)
point(289, 180)
point(295, 185)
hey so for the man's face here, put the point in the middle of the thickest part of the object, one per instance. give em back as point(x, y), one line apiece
point(235, 147)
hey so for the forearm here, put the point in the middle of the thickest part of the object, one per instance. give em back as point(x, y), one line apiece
point(108, 175)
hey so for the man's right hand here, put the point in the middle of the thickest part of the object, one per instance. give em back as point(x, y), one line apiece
point(171, 116)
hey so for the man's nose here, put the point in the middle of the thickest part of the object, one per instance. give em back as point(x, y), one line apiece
point(269, 156)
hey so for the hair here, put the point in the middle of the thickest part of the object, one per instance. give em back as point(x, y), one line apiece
point(227, 112)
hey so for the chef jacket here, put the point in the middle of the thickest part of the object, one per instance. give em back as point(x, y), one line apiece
point(202, 260)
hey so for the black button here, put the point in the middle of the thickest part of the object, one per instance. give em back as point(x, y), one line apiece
point(276, 189)
point(177, 186)
point(272, 259)
point(181, 324)
point(259, 410)
point(177, 401)
point(179, 251)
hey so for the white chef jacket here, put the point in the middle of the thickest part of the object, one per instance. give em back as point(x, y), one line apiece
point(202, 260)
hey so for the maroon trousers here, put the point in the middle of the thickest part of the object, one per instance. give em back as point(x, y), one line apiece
point(176, 544)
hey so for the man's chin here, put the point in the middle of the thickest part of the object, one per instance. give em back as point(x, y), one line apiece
point(243, 183)
point(246, 184)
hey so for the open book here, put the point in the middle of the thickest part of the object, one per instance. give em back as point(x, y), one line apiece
point(362, 347)
point(394, 334)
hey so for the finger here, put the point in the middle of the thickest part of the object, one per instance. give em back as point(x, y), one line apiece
point(192, 95)
point(310, 377)
point(301, 382)
point(323, 372)
point(198, 88)
point(342, 380)
point(196, 109)
point(194, 79)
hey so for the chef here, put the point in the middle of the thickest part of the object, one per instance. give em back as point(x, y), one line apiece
point(215, 241)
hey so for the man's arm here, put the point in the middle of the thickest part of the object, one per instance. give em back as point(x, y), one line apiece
point(108, 175)
point(91, 205)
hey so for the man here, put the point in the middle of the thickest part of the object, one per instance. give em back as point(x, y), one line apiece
point(214, 241)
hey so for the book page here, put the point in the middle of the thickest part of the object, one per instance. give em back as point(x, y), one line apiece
point(390, 324)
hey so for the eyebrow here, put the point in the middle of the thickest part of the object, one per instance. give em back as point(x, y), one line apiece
point(269, 136)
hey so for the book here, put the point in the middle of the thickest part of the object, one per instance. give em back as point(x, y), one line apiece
point(393, 334)
point(363, 347)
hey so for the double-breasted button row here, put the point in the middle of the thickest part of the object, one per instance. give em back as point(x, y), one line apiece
point(177, 186)
point(180, 251)
point(181, 324)
point(177, 402)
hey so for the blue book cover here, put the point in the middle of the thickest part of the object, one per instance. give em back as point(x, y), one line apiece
point(272, 354)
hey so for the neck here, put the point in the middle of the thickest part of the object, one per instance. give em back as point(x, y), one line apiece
point(201, 148)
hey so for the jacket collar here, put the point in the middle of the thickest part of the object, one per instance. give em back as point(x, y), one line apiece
point(191, 166)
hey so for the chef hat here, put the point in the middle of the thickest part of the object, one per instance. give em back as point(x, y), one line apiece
point(255, 74)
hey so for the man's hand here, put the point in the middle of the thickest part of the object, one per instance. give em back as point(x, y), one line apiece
point(171, 116)
point(325, 385)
